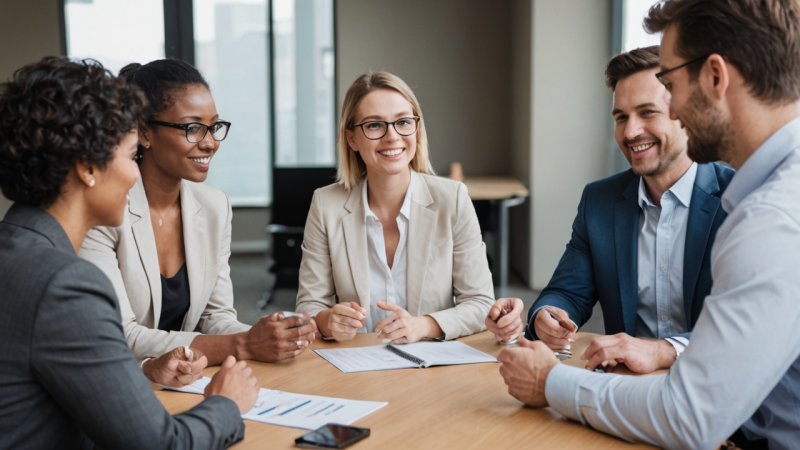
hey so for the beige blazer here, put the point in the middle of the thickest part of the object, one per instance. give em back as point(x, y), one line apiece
point(127, 255)
point(448, 275)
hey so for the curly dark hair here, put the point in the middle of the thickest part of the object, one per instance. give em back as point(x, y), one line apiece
point(55, 113)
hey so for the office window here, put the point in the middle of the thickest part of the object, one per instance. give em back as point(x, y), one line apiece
point(633, 33)
point(231, 50)
point(232, 41)
point(305, 106)
point(113, 32)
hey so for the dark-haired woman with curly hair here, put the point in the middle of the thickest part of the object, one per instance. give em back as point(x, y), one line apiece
point(169, 260)
point(68, 137)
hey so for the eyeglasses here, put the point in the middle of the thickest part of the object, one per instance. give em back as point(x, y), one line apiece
point(376, 129)
point(196, 131)
point(667, 84)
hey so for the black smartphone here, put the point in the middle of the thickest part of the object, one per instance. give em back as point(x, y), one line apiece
point(332, 435)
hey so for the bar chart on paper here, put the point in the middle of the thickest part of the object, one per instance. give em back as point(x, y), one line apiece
point(298, 410)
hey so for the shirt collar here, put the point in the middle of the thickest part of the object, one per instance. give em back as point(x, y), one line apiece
point(405, 209)
point(760, 165)
point(681, 189)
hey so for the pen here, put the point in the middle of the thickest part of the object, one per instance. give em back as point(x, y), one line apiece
point(563, 323)
point(187, 353)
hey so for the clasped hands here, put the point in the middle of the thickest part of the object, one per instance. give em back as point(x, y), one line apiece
point(275, 337)
point(343, 321)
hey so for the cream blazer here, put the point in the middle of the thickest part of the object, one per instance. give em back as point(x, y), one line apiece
point(448, 275)
point(127, 255)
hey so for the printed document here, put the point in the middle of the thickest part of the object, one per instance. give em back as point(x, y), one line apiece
point(297, 410)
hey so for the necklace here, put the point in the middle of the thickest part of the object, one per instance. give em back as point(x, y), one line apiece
point(159, 216)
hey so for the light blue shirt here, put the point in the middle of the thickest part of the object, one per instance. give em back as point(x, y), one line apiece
point(745, 352)
point(662, 238)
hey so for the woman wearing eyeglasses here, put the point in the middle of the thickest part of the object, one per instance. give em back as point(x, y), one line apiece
point(390, 247)
point(169, 260)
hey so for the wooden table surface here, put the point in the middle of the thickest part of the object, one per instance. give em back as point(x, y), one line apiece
point(456, 407)
point(494, 188)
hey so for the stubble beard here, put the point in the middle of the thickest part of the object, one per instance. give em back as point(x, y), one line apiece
point(709, 135)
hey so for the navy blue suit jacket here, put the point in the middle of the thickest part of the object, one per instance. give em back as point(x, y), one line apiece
point(600, 261)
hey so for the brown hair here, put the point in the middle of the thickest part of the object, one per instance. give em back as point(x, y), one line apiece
point(628, 63)
point(761, 38)
point(351, 167)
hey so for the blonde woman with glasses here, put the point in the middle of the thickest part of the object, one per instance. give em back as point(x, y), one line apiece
point(391, 248)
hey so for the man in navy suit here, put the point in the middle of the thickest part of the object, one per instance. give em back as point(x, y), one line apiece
point(641, 240)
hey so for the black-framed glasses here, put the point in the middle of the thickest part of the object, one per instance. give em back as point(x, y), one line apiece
point(660, 75)
point(376, 129)
point(196, 131)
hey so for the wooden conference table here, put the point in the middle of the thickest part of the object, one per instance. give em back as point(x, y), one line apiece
point(456, 407)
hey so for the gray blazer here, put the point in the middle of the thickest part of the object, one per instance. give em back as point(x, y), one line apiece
point(128, 256)
point(448, 275)
point(67, 377)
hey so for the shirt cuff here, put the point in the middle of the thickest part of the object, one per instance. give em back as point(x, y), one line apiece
point(679, 343)
point(562, 390)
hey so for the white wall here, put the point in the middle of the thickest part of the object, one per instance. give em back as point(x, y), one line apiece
point(571, 119)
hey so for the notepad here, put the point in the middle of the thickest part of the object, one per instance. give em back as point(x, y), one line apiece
point(403, 356)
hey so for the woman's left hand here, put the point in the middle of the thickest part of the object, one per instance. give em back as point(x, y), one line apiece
point(401, 327)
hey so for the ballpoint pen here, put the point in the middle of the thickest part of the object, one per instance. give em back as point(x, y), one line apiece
point(566, 352)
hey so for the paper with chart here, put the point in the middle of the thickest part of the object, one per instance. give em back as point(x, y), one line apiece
point(405, 356)
point(298, 410)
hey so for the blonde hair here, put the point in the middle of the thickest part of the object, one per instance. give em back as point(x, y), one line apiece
point(351, 168)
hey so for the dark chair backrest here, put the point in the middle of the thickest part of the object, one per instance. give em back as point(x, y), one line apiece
point(292, 189)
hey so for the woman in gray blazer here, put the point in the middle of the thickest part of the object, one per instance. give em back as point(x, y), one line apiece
point(67, 378)
point(169, 260)
point(390, 247)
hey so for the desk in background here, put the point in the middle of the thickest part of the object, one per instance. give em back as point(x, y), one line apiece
point(501, 193)
point(439, 407)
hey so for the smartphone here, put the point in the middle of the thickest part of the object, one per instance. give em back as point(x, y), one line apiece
point(332, 435)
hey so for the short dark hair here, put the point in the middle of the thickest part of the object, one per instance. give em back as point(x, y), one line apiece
point(55, 113)
point(629, 63)
point(761, 38)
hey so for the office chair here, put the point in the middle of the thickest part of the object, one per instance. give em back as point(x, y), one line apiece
point(292, 189)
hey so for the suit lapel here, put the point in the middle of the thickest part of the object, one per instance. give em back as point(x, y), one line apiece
point(626, 221)
point(355, 236)
point(196, 251)
point(702, 209)
point(418, 242)
point(142, 231)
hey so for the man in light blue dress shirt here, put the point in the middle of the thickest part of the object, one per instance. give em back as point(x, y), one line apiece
point(733, 68)
point(641, 241)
